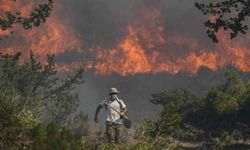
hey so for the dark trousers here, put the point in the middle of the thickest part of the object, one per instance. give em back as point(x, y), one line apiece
point(113, 131)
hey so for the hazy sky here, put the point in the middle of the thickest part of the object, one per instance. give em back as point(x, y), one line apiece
point(78, 30)
point(104, 22)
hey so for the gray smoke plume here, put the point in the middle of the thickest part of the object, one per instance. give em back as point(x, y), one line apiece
point(104, 22)
point(136, 90)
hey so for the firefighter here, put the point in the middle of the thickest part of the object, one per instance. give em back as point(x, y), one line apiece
point(114, 119)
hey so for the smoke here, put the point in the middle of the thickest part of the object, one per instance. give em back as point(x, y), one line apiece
point(136, 90)
point(127, 37)
point(137, 46)
point(144, 36)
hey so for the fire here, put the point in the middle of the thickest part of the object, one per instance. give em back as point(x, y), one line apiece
point(54, 37)
point(4, 33)
point(135, 53)
point(145, 48)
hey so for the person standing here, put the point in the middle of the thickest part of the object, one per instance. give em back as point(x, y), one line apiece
point(114, 119)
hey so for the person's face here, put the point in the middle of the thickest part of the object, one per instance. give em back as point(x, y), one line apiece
point(112, 96)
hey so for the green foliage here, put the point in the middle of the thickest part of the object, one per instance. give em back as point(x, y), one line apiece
point(214, 119)
point(222, 102)
point(27, 119)
point(53, 137)
point(37, 16)
point(36, 88)
point(12, 133)
point(36, 108)
point(222, 141)
point(146, 129)
point(236, 87)
point(142, 144)
point(168, 123)
point(228, 15)
point(184, 101)
point(185, 116)
point(229, 97)
point(79, 124)
point(107, 146)
point(169, 120)
point(155, 143)
point(227, 105)
point(31, 96)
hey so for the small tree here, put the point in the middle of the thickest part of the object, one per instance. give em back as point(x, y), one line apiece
point(37, 88)
point(31, 96)
point(184, 101)
point(169, 120)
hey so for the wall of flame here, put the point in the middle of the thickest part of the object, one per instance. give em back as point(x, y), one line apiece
point(145, 48)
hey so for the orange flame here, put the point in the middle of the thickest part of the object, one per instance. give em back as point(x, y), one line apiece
point(54, 37)
point(145, 48)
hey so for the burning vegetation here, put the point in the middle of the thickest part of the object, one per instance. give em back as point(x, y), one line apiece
point(37, 105)
point(146, 48)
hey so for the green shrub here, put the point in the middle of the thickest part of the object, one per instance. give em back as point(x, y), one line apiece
point(169, 120)
point(53, 137)
point(146, 129)
point(154, 144)
point(107, 146)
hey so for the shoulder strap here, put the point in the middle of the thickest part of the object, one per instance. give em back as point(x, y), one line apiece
point(119, 101)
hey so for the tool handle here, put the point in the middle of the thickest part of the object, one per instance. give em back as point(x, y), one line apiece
point(117, 111)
